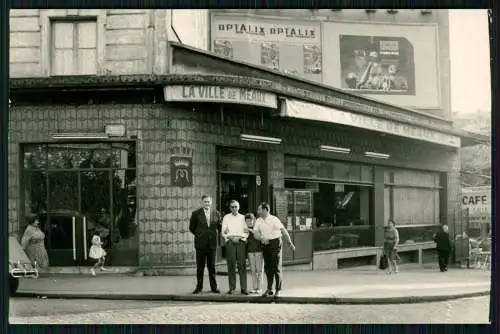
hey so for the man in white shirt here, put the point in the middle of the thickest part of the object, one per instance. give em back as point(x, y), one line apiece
point(269, 230)
point(235, 234)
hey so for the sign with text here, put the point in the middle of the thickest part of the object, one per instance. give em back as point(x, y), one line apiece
point(224, 94)
point(270, 42)
point(477, 199)
point(375, 64)
point(304, 110)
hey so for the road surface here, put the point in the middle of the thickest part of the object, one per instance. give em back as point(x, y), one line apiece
point(77, 311)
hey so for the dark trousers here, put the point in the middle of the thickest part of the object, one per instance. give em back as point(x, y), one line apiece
point(443, 257)
point(236, 256)
point(205, 255)
point(272, 253)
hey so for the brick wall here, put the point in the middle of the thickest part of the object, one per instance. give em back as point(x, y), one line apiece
point(164, 130)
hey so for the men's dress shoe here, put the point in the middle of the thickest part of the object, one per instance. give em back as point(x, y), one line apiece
point(277, 293)
point(230, 292)
point(267, 293)
point(244, 292)
point(196, 291)
point(215, 290)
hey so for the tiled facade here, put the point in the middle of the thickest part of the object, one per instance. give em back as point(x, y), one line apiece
point(166, 129)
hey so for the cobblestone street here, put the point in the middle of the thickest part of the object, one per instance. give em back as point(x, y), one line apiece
point(56, 311)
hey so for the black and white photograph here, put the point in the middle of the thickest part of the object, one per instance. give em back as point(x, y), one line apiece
point(237, 166)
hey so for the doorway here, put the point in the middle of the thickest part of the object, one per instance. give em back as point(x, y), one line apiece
point(79, 191)
point(241, 188)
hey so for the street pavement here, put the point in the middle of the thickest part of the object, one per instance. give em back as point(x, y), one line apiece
point(362, 284)
point(63, 311)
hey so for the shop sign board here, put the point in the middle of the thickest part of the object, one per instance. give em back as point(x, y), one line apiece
point(223, 94)
point(478, 202)
point(304, 110)
point(288, 45)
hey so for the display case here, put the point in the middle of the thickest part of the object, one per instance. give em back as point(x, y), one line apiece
point(300, 223)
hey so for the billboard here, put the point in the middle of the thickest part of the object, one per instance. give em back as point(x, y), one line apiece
point(393, 63)
point(377, 64)
point(290, 46)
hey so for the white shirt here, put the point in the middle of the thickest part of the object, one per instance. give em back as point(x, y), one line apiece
point(234, 226)
point(207, 215)
point(269, 228)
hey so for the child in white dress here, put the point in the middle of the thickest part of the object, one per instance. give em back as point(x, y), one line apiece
point(97, 253)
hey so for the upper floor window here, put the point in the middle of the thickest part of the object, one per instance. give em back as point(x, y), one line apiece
point(74, 47)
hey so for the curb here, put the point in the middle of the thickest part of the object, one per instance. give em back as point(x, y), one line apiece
point(253, 299)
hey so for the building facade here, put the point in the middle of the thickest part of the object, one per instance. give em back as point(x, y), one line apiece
point(116, 128)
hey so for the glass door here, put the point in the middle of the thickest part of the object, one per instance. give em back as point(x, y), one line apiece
point(62, 221)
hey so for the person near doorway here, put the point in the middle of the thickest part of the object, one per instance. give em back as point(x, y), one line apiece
point(205, 224)
point(96, 252)
point(33, 243)
point(269, 230)
point(391, 241)
point(443, 247)
point(235, 234)
point(254, 251)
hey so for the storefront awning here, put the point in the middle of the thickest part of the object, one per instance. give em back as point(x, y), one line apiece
point(304, 110)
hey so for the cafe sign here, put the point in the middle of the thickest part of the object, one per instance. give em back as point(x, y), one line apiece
point(304, 110)
point(221, 94)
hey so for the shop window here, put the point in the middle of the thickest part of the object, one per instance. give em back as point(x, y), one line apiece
point(35, 157)
point(340, 215)
point(413, 200)
point(235, 160)
point(71, 156)
point(296, 167)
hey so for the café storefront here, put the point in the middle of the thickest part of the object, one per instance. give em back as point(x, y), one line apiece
point(332, 172)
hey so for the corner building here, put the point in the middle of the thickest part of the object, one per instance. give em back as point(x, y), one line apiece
point(116, 127)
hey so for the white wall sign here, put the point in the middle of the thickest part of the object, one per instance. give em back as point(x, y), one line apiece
point(304, 110)
point(224, 94)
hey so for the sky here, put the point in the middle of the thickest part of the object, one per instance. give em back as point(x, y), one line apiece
point(469, 60)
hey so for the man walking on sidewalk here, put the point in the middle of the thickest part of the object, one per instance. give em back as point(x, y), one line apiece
point(443, 245)
point(269, 230)
point(204, 224)
point(235, 234)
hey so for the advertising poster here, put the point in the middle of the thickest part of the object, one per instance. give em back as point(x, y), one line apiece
point(287, 45)
point(270, 55)
point(312, 59)
point(377, 65)
point(223, 48)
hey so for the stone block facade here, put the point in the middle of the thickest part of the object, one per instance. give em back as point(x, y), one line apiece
point(164, 130)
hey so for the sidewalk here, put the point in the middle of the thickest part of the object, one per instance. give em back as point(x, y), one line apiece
point(365, 285)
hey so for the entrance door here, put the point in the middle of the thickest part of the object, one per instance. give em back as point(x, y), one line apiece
point(78, 205)
point(241, 188)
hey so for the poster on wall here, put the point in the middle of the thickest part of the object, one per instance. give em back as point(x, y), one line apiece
point(377, 65)
point(288, 45)
point(312, 59)
point(270, 55)
point(223, 48)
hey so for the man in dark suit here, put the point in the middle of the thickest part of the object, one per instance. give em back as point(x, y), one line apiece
point(443, 245)
point(205, 223)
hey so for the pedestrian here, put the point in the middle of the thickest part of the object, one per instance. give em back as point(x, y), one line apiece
point(33, 243)
point(443, 247)
point(269, 230)
point(254, 250)
point(96, 252)
point(235, 234)
point(204, 224)
point(391, 241)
